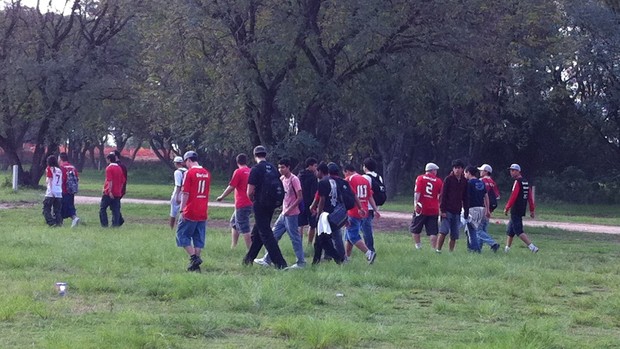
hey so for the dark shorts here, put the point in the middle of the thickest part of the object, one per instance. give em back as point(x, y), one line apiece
point(451, 224)
point(68, 206)
point(420, 221)
point(240, 219)
point(306, 218)
point(515, 226)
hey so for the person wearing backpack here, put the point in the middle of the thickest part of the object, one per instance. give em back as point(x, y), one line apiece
point(378, 188)
point(331, 193)
point(267, 193)
point(287, 221)
point(70, 180)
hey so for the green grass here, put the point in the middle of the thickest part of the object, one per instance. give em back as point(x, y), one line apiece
point(128, 288)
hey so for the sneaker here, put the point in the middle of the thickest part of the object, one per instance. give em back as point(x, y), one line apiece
point(295, 266)
point(438, 251)
point(75, 221)
point(262, 262)
point(370, 257)
point(418, 246)
point(534, 249)
point(506, 249)
point(495, 247)
point(194, 263)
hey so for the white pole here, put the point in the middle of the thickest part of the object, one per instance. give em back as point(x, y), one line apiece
point(15, 177)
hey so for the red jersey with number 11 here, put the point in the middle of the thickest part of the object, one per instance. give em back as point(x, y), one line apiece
point(196, 183)
point(429, 186)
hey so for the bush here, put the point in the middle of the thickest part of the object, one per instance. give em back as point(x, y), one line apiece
point(574, 185)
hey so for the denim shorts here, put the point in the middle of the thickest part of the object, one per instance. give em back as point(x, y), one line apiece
point(240, 219)
point(515, 226)
point(191, 231)
point(353, 230)
point(450, 224)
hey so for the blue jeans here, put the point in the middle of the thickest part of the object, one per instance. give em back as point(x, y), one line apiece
point(288, 224)
point(115, 207)
point(472, 238)
point(338, 241)
point(352, 234)
point(367, 229)
point(483, 234)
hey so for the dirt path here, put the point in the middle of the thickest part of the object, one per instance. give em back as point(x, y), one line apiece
point(400, 221)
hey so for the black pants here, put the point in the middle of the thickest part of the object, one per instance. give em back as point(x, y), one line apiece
point(52, 208)
point(263, 235)
point(115, 207)
point(325, 242)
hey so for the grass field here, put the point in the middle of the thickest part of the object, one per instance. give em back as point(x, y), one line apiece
point(128, 289)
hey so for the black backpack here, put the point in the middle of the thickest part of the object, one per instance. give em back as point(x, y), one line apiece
point(378, 189)
point(346, 193)
point(72, 182)
point(271, 189)
point(492, 200)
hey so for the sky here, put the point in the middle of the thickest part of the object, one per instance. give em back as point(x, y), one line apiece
point(56, 5)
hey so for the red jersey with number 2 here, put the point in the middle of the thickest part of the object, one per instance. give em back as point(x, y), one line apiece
point(429, 186)
point(196, 183)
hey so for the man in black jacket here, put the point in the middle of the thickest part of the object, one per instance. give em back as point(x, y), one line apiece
point(309, 186)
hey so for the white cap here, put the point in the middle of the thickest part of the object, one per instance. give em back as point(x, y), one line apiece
point(431, 166)
point(515, 167)
point(178, 159)
point(486, 167)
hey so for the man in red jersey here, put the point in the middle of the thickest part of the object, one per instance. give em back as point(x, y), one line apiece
point(68, 199)
point(426, 195)
point(112, 192)
point(516, 205)
point(363, 191)
point(192, 225)
point(240, 220)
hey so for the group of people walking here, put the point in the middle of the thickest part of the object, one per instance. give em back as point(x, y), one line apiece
point(315, 201)
point(467, 196)
point(307, 201)
point(61, 180)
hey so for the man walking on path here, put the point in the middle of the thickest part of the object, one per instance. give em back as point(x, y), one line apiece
point(175, 199)
point(240, 219)
point(262, 175)
point(112, 192)
point(191, 230)
point(68, 199)
point(124, 189)
point(493, 191)
point(426, 205)
point(288, 219)
point(453, 198)
point(363, 191)
point(478, 209)
point(517, 204)
point(309, 185)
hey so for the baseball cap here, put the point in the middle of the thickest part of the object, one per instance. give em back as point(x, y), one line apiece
point(177, 159)
point(189, 154)
point(259, 149)
point(486, 167)
point(431, 166)
point(332, 168)
point(515, 167)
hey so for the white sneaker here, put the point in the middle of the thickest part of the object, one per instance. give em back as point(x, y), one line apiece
point(418, 246)
point(261, 261)
point(506, 249)
point(534, 249)
point(438, 251)
point(295, 266)
point(75, 221)
point(370, 256)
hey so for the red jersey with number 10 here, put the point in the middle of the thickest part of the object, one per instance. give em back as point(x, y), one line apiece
point(196, 183)
point(429, 186)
